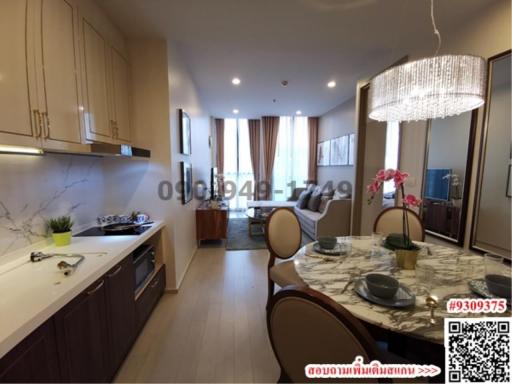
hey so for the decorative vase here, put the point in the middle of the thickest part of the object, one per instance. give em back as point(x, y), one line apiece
point(406, 258)
point(62, 239)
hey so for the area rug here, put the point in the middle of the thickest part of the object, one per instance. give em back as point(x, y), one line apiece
point(239, 239)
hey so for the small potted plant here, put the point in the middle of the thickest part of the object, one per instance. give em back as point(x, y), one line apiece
point(61, 230)
point(406, 251)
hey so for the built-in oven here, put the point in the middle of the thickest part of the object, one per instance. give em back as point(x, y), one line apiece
point(144, 265)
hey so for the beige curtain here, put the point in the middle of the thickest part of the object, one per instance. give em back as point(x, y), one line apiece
point(313, 141)
point(254, 146)
point(270, 131)
point(219, 138)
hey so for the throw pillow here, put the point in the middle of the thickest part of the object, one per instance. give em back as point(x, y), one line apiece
point(303, 199)
point(314, 200)
point(323, 203)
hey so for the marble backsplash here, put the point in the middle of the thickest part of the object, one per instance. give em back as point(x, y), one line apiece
point(35, 188)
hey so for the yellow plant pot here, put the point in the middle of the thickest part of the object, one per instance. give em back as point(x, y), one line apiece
point(62, 239)
point(406, 258)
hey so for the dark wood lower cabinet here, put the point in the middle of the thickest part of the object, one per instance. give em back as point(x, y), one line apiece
point(88, 339)
point(120, 312)
point(82, 336)
point(35, 359)
point(148, 299)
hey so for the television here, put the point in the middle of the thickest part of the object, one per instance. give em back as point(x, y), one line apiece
point(214, 185)
point(437, 184)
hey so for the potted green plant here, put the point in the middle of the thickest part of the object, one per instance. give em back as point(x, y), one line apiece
point(406, 251)
point(61, 230)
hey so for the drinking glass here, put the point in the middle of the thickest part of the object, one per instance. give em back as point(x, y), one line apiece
point(494, 265)
point(376, 243)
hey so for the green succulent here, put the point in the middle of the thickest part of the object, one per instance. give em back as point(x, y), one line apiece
point(60, 224)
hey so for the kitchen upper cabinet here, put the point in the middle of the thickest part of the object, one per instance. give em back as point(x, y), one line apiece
point(82, 335)
point(98, 124)
point(120, 97)
point(19, 123)
point(59, 82)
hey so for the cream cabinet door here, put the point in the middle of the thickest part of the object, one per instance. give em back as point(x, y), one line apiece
point(98, 125)
point(121, 96)
point(60, 89)
point(19, 121)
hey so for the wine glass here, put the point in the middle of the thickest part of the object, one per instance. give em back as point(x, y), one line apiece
point(376, 243)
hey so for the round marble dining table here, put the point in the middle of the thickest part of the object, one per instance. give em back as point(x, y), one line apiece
point(449, 271)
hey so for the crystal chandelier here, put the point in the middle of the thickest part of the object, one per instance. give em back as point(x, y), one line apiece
point(438, 86)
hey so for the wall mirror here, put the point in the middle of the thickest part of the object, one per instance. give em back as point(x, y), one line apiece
point(491, 223)
point(448, 159)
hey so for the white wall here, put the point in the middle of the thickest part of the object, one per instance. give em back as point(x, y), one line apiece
point(183, 94)
point(335, 123)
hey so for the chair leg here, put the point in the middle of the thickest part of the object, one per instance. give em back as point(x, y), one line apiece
point(270, 291)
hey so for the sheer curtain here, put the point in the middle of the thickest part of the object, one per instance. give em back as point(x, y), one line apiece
point(392, 149)
point(292, 156)
point(238, 176)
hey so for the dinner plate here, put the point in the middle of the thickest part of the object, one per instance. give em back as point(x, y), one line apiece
point(336, 251)
point(403, 297)
point(479, 286)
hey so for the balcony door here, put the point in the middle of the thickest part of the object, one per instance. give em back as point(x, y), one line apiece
point(238, 175)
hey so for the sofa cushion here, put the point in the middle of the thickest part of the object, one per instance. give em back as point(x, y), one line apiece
point(303, 199)
point(323, 203)
point(314, 200)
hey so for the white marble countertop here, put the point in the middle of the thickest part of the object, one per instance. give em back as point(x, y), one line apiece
point(30, 293)
point(452, 270)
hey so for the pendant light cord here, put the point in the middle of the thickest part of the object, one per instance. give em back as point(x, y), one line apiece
point(436, 31)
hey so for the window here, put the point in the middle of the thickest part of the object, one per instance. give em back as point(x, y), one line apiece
point(238, 175)
point(392, 149)
point(292, 156)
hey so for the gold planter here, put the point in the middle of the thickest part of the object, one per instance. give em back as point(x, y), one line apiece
point(406, 258)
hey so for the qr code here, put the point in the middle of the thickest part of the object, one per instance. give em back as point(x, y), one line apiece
point(478, 350)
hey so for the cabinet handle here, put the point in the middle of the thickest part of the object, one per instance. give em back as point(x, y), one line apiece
point(96, 289)
point(155, 283)
point(113, 127)
point(47, 118)
point(119, 267)
point(37, 121)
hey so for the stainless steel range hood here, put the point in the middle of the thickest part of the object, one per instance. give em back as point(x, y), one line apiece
point(106, 150)
point(102, 149)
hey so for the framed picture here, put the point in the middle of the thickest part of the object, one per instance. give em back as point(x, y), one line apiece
point(509, 180)
point(323, 153)
point(339, 150)
point(351, 148)
point(186, 180)
point(185, 133)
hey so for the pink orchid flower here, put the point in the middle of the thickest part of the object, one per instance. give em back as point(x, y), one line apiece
point(373, 187)
point(412, 200)
point(385, 174)
point(399, 178)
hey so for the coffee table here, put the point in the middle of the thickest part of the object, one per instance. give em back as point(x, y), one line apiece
point(257, 217)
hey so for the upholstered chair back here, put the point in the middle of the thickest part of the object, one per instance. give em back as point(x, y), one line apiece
point(308, 327)
point(390, 221)
point(283, 233)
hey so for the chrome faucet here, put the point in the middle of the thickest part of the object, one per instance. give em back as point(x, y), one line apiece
point(64, 266)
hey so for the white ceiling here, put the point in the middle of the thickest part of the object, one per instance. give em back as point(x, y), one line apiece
point(306, 42)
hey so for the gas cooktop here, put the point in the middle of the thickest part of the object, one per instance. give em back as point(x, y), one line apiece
point(98, 231)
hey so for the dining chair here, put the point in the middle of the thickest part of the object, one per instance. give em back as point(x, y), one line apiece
point(390, 221)
point(305, 327)
point(283, 236)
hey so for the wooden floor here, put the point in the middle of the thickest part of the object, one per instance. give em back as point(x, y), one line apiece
point(213, 330)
